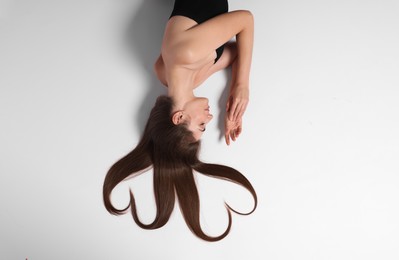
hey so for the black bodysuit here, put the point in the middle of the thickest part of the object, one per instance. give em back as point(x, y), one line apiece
point(200, 11)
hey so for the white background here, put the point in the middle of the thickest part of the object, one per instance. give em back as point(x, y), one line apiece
point(320, 141)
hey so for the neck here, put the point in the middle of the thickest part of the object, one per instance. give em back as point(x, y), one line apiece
point(180, 87)
point(180, 95)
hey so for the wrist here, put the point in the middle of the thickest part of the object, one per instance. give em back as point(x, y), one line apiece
point(241, 85)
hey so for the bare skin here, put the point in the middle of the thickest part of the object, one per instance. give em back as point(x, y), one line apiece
point(187, 59)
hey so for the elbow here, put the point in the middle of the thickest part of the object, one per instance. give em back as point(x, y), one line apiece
point(249, 17)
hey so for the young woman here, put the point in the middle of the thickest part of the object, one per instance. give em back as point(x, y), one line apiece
point(195, 45)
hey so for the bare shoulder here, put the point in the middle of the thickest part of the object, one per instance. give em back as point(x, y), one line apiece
point(159, 69)
point(174, 42)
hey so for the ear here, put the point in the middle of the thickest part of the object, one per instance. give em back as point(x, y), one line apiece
point(177, 117)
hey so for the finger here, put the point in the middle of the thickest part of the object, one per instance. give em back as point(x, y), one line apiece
point(242, 110)
point(237, 112)
point(238, 131)
point(233, 109)
point(227, 138)
point(229, 104)
point(233, 135)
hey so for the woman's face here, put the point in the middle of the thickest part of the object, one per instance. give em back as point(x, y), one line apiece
point(196, 113)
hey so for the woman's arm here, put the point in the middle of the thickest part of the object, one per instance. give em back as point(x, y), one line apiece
point(188, 45)
point(239, 90)
point(241, 23)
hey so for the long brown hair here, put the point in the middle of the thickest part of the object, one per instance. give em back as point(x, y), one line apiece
point(172, 151)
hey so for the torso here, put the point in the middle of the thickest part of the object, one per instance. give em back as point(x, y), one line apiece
point(174, 64)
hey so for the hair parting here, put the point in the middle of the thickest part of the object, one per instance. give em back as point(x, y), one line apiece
point(172, 152)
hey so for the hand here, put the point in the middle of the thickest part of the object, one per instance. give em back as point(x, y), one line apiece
point(237, 102)
point(232, 129)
